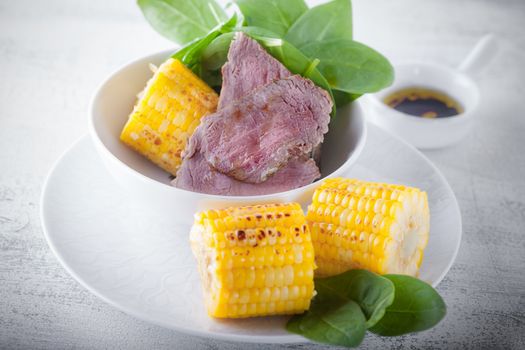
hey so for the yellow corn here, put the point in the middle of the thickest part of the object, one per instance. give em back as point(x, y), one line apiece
point(167, 113)
point(255, 260)
point(380, 227)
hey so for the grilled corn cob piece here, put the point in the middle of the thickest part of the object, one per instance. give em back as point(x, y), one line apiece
point(254, 260)
point(375, 226)
point(167, 113)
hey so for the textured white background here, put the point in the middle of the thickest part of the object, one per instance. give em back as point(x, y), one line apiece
point(53, 54)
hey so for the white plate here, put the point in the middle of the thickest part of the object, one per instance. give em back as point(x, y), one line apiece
point(141, 263)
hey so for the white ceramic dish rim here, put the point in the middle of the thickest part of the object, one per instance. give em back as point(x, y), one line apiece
point(100, 144)
point(466, 115)
point(210, 334)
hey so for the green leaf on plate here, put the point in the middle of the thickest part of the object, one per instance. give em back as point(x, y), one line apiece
point(416, 307)
point(371, 291)
point(344, 307)
point(336, 324)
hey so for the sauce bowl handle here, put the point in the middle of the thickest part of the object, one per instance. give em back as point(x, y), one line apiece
point(480, 56)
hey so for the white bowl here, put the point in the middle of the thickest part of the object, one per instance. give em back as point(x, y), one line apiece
point(144, 181)
point(427, 133)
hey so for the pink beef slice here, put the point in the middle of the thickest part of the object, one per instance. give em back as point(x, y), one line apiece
point(197, 175)
point(257, 135)
point(249, 67)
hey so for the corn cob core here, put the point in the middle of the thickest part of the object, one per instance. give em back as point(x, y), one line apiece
point(167, 113)
point(357, 224)
point(255, 260)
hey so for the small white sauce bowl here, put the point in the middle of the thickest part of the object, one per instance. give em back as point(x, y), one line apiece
point(427, 133)
point(145, 182)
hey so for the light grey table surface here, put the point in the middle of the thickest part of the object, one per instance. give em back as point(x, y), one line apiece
point(53, 54)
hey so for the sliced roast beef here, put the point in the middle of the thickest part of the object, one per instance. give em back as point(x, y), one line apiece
point(249, 67)
point(197, 175)
point(255, 136)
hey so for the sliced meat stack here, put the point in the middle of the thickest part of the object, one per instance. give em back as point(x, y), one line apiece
point(260, 139)
point(254, 137)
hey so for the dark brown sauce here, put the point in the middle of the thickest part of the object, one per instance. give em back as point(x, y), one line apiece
point(423, 102)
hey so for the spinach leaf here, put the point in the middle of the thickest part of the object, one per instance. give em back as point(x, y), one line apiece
point(343, 98)
point(274, 15)
point(329, 21)
point(416, 307)
point(212, 77)
point(180, 53)
point(191, 54)
point(215, 55)
point(350, 66)
point(337, 324)
point(345, 305)
point(258, 31)
point(371, 291)
point(181, 20)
